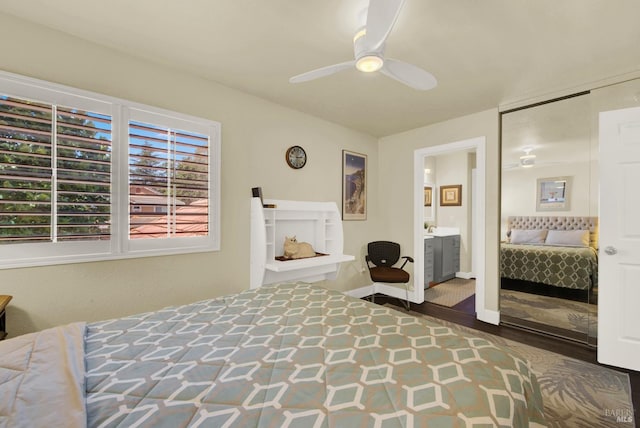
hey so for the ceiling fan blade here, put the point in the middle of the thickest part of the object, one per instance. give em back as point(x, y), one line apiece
point(381, 16)
point(409, 74)
point(321, 72)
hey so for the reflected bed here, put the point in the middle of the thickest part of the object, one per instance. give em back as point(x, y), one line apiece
point(564, 261)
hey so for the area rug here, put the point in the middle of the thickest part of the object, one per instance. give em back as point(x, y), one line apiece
point(576, 394)
point(450, 293)
point(561, 313)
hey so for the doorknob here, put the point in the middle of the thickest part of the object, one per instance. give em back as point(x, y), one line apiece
point(610, 250)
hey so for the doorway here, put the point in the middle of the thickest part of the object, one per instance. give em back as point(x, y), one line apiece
point(477, 213)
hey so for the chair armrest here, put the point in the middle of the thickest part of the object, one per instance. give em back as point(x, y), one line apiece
point(406, 259)
point(367, 260)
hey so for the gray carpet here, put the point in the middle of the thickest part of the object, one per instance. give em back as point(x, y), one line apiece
point(576, 394)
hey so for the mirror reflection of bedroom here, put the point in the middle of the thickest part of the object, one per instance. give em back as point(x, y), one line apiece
point(549, 223)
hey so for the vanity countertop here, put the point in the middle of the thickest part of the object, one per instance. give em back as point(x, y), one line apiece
point(443, 231)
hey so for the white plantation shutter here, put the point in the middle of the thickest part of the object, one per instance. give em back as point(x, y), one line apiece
point(55, 168)
point(168, 182)
point(83, 175)
point(88, 177)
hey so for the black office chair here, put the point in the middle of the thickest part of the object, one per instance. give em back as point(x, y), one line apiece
point(383, 255)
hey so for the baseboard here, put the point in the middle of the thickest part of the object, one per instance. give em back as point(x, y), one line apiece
point(361, 292)
point(491, 317)
point(465, 275)
point(382, 288)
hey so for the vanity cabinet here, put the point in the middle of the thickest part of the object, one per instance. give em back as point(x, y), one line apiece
point(428, 260)
point(444, 258)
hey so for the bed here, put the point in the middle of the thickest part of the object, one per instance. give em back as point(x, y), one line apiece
point(569, 260)
point(277, 356)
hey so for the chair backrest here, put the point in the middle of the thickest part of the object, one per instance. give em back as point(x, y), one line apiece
point(383, 253)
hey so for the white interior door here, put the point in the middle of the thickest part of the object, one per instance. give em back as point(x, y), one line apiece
point(619, 243)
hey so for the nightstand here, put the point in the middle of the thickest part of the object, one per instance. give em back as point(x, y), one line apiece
point(4, 301)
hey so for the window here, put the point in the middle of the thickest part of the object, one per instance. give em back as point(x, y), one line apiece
point(88, 177)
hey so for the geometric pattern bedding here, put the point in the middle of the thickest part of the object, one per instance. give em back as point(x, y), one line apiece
point(302, 356)
point(568, 267)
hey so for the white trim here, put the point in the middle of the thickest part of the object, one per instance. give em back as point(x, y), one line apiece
point(465, 275)
point(488, 316)
point(361, 292)
point(399, 292)
point(479, 144)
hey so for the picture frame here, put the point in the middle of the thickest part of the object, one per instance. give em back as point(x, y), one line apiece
point(552, 193)
point(428, 196)
point(451, 195)
point(354, 186)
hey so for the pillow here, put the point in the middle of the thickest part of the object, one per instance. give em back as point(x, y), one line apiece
point(523, 236)
point(568, 238)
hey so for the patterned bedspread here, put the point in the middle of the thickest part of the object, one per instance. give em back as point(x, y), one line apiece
point(300, 355)
point(569, 267)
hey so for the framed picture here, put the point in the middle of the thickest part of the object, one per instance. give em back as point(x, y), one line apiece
point(354, 186)
point(451, 195)
point(553, 194)
point(427, 196)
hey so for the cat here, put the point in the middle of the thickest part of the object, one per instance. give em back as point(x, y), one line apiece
point(297, 250)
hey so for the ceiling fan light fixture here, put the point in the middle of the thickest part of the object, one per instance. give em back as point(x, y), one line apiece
point(369, 63)
point(527, 161)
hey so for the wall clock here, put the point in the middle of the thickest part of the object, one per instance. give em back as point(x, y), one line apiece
point(296, 157)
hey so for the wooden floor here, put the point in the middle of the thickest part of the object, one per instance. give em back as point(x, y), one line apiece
point(464, 314)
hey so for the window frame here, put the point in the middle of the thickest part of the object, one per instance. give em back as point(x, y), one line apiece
point(119, 246)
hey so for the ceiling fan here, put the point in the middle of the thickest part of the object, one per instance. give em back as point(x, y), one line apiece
point(368, 46)
point(528, 160)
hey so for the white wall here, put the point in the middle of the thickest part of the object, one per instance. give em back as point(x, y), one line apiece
point(519, 191)
point(396, 184)
point(255, 136)
point(453, 168)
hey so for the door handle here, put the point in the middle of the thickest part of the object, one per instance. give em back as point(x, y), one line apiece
point(610, 250)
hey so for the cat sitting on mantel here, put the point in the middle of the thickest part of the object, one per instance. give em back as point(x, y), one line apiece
point(297, 250)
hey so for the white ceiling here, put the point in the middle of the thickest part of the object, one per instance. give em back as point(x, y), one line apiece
point(557, 133)
point(483, 53)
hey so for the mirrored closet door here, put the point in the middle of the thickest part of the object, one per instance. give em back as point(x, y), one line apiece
point(549, 219)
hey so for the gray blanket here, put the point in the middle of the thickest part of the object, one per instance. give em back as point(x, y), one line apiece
point(42, 379)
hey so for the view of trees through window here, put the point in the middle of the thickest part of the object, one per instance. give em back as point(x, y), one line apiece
point(55, 173)
point(168, 182)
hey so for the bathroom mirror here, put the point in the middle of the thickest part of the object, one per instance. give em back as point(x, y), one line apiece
point(430, 191)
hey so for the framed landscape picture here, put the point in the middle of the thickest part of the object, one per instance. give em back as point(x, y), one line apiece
point(354, 186)
point(451, 195)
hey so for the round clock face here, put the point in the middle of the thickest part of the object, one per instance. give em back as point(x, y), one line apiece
point(296, 157)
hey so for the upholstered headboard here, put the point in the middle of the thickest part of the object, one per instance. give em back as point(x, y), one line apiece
point(556, 223)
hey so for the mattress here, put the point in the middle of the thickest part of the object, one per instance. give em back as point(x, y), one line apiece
point(567, 267)
point(292, 355)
